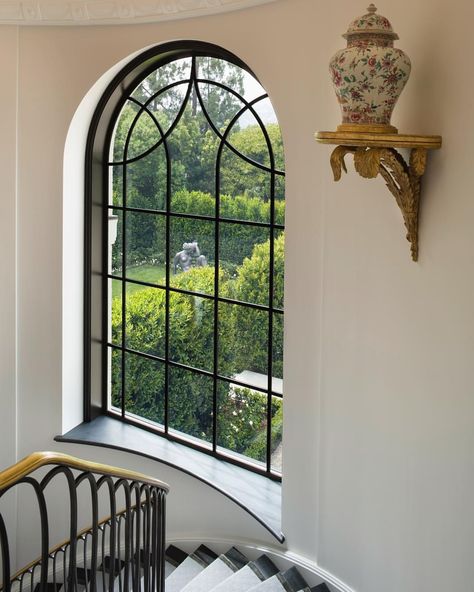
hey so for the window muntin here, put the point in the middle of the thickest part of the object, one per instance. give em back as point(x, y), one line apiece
point(194, 345)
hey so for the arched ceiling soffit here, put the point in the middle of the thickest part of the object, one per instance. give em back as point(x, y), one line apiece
point(101, 12)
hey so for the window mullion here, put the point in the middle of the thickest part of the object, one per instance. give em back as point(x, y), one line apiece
point(124, 285)
point(270, 322)
point(167, 282)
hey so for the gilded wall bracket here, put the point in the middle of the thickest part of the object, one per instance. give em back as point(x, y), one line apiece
point(376, 154)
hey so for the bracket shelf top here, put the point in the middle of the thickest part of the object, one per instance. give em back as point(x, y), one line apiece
point(379, 140)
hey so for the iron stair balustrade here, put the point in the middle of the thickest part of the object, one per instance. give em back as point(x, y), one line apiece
point(124, 552)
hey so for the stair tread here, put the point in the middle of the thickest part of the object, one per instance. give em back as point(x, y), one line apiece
point(184, 573)
point(215, 573)
point(240, 581)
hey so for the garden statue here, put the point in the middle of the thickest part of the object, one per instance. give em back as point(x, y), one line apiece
point(189, 257)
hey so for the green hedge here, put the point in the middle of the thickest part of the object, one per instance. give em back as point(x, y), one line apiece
point(146, 232)
point(242, 346)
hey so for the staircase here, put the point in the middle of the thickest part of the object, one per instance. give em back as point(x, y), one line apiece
point(203, 570)
point(125, 552)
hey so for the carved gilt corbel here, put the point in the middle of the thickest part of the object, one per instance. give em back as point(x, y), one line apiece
point(403, 180)
point(377, 155)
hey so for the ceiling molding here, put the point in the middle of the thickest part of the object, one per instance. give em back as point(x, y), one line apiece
point(101, 12)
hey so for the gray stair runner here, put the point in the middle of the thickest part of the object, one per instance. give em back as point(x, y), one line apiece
point(190, 568)
point(218, 571)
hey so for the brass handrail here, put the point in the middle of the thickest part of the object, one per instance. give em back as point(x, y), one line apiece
point(36, 460)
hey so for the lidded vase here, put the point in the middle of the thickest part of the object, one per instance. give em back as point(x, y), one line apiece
point(369, 74)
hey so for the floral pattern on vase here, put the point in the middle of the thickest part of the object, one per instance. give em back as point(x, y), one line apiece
point(369, 74)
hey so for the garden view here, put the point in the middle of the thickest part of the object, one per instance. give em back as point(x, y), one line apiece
point(198, 189)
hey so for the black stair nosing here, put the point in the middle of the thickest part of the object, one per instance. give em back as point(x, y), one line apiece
point(236, 559)
point(320, 588)
point(204, 555)
point(107, 564)
point(83, 575)
point(292, 580)
point(175, 556)
point(263, 567)
point(50, 587)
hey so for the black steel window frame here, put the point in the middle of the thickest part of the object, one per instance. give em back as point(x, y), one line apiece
point(97, 211)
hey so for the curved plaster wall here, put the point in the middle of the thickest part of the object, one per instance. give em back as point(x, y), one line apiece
point(379, 413)
point(100, 12)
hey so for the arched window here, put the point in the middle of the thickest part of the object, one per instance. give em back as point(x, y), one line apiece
point(185, 253)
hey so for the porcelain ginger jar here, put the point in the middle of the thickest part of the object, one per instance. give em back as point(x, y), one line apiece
point(369, 74)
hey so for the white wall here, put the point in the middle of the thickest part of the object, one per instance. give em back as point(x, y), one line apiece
point(379, 413)
point(8, 146)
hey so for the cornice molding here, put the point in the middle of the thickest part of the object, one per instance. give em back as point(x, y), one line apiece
point(101, 12)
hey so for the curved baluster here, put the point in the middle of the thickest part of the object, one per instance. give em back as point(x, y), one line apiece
point(141, 523)
point(5, 549)
point(71, 580)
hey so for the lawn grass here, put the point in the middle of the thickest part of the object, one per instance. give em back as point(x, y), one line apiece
point(153, 274)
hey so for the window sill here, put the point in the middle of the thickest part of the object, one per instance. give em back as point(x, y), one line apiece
point(257, 495)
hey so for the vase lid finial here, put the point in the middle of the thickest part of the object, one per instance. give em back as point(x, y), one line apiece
point(369, 24)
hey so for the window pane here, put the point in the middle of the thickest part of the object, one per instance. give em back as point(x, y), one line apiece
point(244, 207)
point(243, 344)
point(232, 76)
point(142, 136)
point(266, 113)
point(115, 326)
point(121, 132)
point(115, 377)
point(146, 181)
point(146, 244)
point(193, 148)
point(243, 252)
point(245, 256)
point(165, 104)
point(220, 105)
point(145, 324)
point(115, 242)
point(279, 269)
point(144, 388)
point(278, 349)
point(190, 404)
point(277, 433)
point(279, 200)
point(116, 185)
point(242, 421)
point(192, 331)
point(241, 178)
point(193, 202)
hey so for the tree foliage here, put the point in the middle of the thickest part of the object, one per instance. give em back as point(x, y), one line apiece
point(241, 178)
